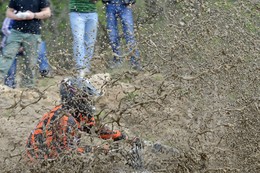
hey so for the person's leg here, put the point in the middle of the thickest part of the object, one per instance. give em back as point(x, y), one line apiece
point(42, 59)
point(90, 37)
point(9, 53)
point(126, 15)
point(10, 78)
point(27, 64)
point(112, 28)
point(77, 23)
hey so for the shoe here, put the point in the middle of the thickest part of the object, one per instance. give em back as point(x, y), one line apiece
point(83, 72)
point(44, 73)
point(135, 64)
point(137, 67)
point(4, 88)
point(10, 81)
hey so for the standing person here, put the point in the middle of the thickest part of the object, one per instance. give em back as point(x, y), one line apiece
point(121, 9)
point(84, 22)
point(27, 16)
point(42, 58)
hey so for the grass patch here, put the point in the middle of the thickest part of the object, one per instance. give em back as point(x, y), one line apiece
point(132, 95)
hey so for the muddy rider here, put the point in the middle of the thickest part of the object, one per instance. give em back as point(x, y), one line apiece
point(59, 130)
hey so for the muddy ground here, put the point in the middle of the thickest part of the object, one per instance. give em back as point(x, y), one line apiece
point(198, 93)
point(142, 104)
point(21, 110)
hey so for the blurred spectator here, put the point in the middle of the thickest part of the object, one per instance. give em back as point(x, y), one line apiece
point(27, 16)
point(42, 59)
point(84, 22)
point(122, 9)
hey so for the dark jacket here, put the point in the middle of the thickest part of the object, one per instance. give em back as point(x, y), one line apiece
point(57, 132)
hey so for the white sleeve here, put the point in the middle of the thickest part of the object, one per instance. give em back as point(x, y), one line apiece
point(5, 27)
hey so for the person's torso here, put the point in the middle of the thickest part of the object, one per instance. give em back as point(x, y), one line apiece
point(28, 26)
point(56, 132)
point(82, 6)
point(52, 128)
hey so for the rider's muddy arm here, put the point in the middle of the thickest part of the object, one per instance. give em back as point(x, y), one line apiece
point(88, 124)
point(105, 133)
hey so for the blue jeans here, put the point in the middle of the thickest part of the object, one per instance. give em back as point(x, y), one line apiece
point(125, 13)
point(42, 58)
point(84, 31)
point(42, 61)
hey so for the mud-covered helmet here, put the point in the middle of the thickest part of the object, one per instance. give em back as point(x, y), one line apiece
point(77, 95)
